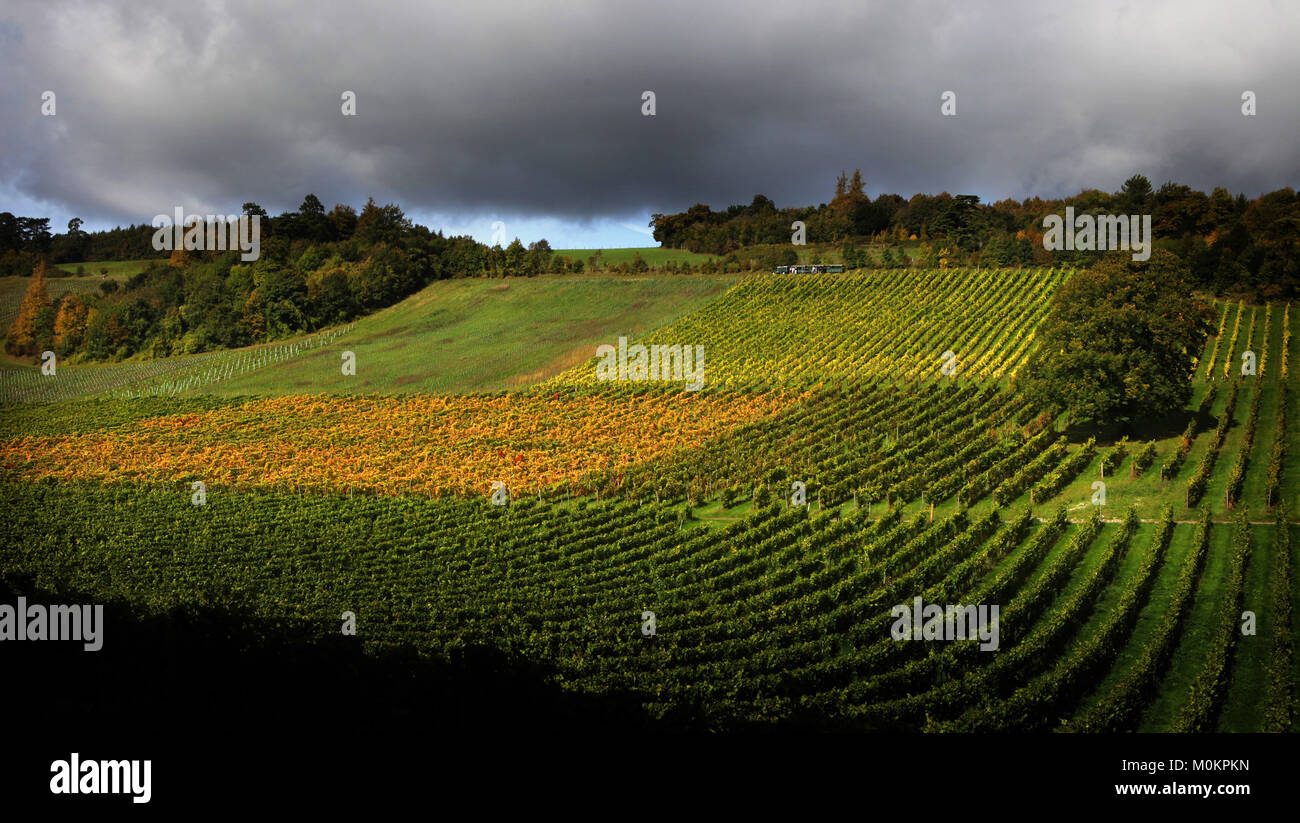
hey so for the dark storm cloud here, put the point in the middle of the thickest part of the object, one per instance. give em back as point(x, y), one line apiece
point(534, 109)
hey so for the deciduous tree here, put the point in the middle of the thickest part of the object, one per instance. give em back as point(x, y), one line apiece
point(1119, 342)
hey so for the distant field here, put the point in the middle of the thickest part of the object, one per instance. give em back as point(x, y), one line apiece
point(829, 252)
point(116, 268)
point(653, 256)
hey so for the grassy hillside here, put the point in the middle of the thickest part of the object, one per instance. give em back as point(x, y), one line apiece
point(652, 255)
point(485, 335)
point(454, 336)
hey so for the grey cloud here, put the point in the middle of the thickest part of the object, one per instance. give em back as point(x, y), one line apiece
point(534, 109)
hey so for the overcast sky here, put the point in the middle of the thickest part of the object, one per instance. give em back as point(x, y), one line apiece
point(531, 113)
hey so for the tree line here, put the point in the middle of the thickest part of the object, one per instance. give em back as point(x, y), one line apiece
point(316, 269)
point(1230, 244)
point(25, 241)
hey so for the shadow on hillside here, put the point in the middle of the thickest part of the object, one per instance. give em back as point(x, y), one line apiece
point(210, 676)
point(1140, 431)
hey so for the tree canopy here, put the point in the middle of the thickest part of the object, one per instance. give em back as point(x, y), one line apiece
point(1119, 342)
point(33, 330)
point(1231, 244)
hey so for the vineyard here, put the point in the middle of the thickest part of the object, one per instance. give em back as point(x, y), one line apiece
point(857, 443)
point(788, 330)
point(428, 445)
point(168, 377)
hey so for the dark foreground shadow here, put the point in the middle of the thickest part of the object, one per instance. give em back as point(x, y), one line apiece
point(1140, 431)
point(210, 676)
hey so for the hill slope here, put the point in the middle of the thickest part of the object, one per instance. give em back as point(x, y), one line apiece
point(462, 335)
point(828, 471)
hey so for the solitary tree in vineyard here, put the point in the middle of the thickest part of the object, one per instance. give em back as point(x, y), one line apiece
point(1119, 342)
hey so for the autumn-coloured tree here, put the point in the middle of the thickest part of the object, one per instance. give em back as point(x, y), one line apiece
point(70, 323)
point(856, 186)
point(254, 315)
point(849, 195)
point(35, 324)
point(850, 209)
